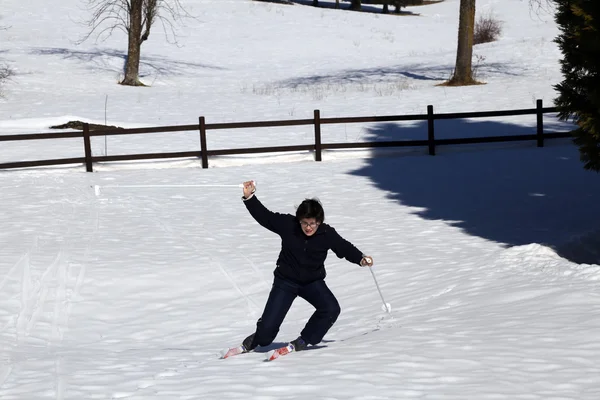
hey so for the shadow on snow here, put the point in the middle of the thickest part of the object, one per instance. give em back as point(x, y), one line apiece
point(345, 6)
point(384, 74)
point(114, 61)
point(278, 345)
point(513, 193)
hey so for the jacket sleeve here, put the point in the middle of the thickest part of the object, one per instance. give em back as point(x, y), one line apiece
point(273, 221)
point(343, 248)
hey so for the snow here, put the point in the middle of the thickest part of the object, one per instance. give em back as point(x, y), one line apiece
point(487, 254)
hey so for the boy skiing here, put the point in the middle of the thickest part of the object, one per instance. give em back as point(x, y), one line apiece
point(300, 272)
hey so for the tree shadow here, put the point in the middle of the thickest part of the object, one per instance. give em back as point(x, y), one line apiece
point(512, 193)
point(345, 6)
point(384, 74)
point(462, 128)
point(114, 61)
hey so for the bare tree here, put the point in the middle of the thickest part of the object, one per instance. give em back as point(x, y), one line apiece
point(463, 74)
point(135, 18)
point(398, 4)
point(386, 9)
point(537, 5)
point(356, 5)
point(316, 3)
point(5, 71)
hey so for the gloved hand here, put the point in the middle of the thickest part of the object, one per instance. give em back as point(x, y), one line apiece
point(366, 261)
point(249, 189)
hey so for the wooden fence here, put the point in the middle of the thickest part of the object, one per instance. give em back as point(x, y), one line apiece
point(202, 127)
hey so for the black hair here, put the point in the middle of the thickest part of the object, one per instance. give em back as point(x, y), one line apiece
point(310, 208)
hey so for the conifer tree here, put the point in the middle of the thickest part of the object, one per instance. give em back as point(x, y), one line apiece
point(579, 92)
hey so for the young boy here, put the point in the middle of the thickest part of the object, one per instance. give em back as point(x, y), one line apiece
point(300, 271)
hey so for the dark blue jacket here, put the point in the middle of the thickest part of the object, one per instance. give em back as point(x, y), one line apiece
point(302, 258)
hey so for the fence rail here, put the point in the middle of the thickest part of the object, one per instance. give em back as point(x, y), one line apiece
point(202, 127)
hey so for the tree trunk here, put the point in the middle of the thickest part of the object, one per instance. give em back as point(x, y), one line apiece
point(463, 74)
point(386, 9)
point(132, 64)
point(356, 5)
point(399, 4)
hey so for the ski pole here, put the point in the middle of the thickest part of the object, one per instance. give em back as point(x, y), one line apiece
point(98, 187)
point(386, 306)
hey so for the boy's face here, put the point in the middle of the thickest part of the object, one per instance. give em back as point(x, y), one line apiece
point(309, 226)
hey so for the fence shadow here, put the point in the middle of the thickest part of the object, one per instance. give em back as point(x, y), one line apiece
point(515, 196)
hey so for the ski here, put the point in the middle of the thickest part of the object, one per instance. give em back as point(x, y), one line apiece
point(282, 351)
point(234, 351)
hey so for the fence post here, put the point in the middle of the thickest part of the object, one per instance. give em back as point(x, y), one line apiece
point(203, 148)
point(540, 123)
point(318, 147)
point(430, 132)
point(87, 148)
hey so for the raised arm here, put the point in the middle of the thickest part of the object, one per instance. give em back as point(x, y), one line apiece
point(273, 221)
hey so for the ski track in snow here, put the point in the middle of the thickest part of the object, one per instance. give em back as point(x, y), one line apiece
point(131, 294)
point(47, 294)
point(445, 332)
point(253, 308)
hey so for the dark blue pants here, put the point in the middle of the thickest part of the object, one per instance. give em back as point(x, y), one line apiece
point(283, 293)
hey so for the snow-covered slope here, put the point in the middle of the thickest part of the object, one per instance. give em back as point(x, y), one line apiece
point(132, 294)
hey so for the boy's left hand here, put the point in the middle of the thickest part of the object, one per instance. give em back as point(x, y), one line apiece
point(366, 261)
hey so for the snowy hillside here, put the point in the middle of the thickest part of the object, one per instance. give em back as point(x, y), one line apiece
point(487, 255)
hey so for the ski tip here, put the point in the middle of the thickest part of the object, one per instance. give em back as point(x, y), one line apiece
point(234, 351)
point(282, 351)
point(271, 355)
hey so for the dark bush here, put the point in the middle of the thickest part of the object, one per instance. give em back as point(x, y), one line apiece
point(487, 29)
point(5, 74)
